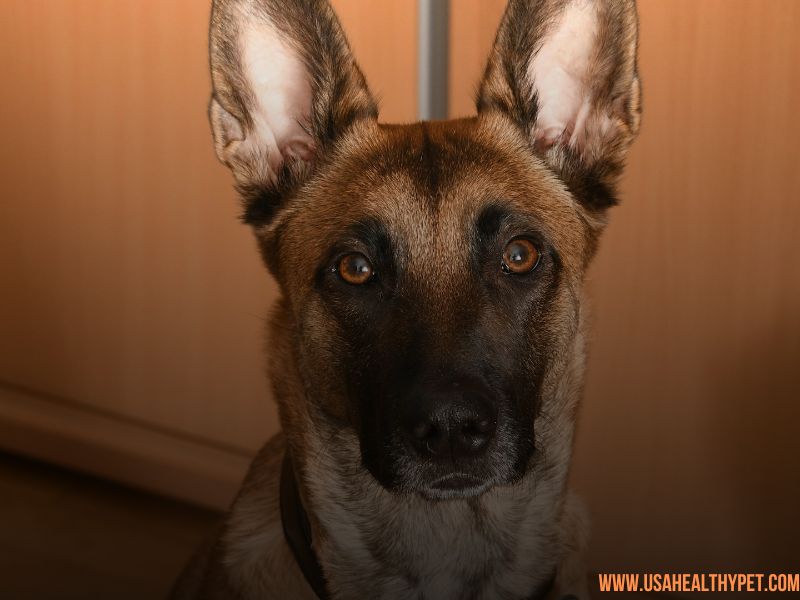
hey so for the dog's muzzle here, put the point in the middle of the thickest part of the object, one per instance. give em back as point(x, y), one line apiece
point(447, 430)
point(447, 438)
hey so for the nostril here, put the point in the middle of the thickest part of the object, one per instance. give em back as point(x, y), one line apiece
point(429, 437)
point(478, 427)
point(474, 434)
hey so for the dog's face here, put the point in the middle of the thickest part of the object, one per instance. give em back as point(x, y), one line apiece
point(431, 272)
point(431, 268)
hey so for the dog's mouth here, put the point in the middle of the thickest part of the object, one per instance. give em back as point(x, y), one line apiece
point(456, 485)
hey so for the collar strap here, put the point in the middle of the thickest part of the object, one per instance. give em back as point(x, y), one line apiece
point(297, 530)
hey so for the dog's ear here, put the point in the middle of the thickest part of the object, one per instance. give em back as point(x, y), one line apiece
point(285, 87)
point(565, 72)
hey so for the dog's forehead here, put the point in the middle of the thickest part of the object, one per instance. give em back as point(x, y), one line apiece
point(426, 184)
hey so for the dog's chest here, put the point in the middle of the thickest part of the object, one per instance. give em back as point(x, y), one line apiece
point(500, 546)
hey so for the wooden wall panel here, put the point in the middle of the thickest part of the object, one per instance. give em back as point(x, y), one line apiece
point(127, 284)
point(686, 453)
point(384, 40)
point(472, 27)
point(687, 450)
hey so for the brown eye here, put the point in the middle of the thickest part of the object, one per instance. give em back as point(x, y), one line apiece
point(520, 257)
point(355, 268)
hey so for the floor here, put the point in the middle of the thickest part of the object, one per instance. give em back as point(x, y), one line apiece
point(70, 536)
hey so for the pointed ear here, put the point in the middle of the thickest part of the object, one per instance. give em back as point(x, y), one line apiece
point(565, 72)
point(285, 87)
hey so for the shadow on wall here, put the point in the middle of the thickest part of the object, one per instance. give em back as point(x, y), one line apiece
point(693, 465)
point(751, 418)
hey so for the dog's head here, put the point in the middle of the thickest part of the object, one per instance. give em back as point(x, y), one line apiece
point(431, 272)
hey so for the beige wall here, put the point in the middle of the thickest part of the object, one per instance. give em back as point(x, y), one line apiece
point(132, 302)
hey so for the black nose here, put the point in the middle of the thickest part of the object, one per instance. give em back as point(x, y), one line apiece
point(457, 421)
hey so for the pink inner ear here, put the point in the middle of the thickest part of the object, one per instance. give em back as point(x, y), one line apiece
point(560, 73)
point(282, 93)
point(299, 149)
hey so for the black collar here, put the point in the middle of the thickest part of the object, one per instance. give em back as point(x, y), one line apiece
point(297, 531)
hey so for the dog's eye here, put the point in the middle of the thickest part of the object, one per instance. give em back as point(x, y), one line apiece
point(520, 256)
point(354, 268)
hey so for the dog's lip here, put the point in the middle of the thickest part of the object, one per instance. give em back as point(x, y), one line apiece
point(455, 486)
point(457, 481)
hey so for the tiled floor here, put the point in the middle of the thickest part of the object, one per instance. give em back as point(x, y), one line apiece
point(68, 536)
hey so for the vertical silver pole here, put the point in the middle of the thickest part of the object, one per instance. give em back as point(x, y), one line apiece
point(432, 58)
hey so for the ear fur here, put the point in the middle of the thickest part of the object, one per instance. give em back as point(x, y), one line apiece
point(285, 87)
point(565, 72)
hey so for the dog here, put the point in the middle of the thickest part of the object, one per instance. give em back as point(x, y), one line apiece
point(428, 347)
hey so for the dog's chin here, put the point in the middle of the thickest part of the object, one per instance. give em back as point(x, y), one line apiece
point(449, 486)
point(455, 486)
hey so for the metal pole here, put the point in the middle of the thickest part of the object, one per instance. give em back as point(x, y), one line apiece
point(432, 58)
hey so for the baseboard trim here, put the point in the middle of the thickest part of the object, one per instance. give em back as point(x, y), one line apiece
point(117, 449)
